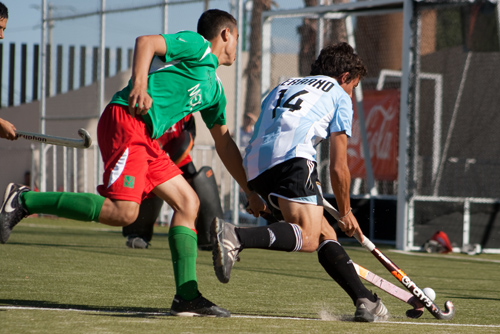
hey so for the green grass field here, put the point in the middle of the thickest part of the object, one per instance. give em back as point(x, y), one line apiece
point(59, 276)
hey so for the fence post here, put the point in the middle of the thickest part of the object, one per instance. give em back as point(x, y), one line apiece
point(36, 69)
point(71, 68)
point(24, 73)
point(12, 71)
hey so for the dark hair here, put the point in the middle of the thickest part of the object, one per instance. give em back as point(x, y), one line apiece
point(213, 21)
point(4, 12)
point(336, 59)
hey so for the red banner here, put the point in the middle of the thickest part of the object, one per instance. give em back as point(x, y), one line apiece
point(381, 110)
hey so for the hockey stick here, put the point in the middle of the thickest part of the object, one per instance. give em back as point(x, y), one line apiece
point(85, 142)
point(399, 274)
point(405, 296)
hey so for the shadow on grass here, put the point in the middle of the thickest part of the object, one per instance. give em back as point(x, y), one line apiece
point(474, 298)
point(77, 246)
point(112, 249)
point(138, 312)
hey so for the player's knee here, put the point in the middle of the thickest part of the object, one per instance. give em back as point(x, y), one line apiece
point(189, 207)
point(193, 205)
point(126, 218)
point(309, 246)
point(310, 241)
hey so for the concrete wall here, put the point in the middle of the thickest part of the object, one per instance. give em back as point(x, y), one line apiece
point(16, 156)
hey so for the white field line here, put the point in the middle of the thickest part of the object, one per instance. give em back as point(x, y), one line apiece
point(236, 316)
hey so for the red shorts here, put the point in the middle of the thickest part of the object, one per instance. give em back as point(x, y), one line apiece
point(134, 163)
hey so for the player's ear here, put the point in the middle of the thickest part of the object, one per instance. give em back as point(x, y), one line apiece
point(224, 34)
point(344, 78)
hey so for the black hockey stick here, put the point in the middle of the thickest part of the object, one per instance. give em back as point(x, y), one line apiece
point(399, 274)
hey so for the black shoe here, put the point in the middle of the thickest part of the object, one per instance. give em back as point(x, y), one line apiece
point(226, 247)
point(368, 311)
point(134, 241)
point(12, 211)
point(198, 307)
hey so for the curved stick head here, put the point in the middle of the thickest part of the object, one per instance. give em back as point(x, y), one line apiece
point(449, 311)
point(87, 140)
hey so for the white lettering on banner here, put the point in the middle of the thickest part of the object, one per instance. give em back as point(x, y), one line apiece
point(195, 94)
point(381, 110)
point(380, 139)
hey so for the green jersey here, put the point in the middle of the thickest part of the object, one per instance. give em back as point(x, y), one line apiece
point(182, 82)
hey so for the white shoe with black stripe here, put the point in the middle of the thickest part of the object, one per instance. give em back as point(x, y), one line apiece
point(368, 311)
point(226, 248)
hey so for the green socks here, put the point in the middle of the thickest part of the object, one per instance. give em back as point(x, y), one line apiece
point(184, 249)
point(78, 206)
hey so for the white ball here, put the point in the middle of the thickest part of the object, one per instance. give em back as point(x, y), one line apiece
point(429, 293)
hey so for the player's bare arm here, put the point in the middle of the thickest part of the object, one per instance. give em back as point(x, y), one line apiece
point(7, 130)
point(341, 182)
point(231, 158)
point(146, 47)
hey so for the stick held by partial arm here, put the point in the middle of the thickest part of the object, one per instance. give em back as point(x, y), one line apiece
point(84, 142)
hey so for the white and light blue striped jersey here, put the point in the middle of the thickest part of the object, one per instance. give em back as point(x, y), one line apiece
point(295, 117)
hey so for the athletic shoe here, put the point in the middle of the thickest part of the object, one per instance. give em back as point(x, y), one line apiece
point(198, 307)
point(368, 311)
point(12, 210)
point(134, 241)
point(226, 247)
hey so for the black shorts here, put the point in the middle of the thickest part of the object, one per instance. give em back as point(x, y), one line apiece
point(295, 180)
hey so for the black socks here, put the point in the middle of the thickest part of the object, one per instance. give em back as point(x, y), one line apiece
point(338, 265)
point(278, 236)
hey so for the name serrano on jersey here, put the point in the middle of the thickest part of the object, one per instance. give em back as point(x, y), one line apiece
point(323, 84)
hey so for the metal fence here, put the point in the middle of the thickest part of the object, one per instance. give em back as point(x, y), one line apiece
point(425, 113)
point(453, 171)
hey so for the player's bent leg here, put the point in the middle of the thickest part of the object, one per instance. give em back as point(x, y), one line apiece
point(118, 213)
point(308, 217)
point(339, 266)
point(182, 198)
point(19, 202)
point(228, 241)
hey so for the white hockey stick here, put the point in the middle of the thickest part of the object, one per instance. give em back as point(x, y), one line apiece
point(382, 284)
point(85, 142)
point(398, 273)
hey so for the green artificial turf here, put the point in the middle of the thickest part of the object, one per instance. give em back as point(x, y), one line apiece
point(60, 276)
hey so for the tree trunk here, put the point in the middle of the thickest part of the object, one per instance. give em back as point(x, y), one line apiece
point(253, 70)
point(307, 51)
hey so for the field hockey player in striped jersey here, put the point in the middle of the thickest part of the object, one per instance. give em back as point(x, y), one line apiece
point(280, 162)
